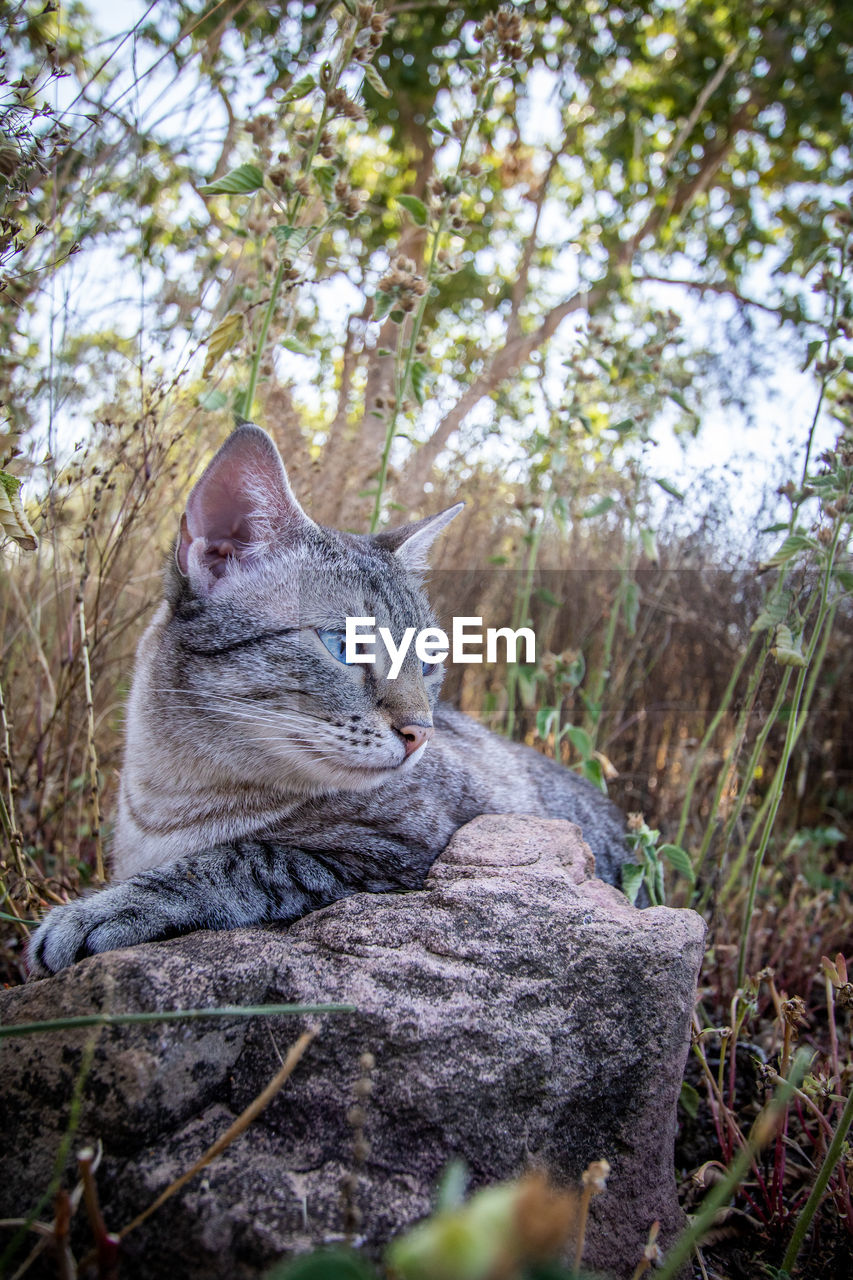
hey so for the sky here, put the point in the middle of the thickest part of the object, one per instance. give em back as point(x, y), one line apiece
point(744, 450)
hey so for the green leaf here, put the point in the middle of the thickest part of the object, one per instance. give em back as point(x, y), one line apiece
point(811, 351)
point(545, 718)
point(452, 1186)
point(382, 304)
point(292, 238)
point(375, 81)
point(580, 740)
point(301, 89)
point(593, 771)
point(689, 1099)
point(599, 508)
point(631, 606)
point(225, 336)
point(548, 597)
point(418, 380)
point(326, 177)
point(650, 546)
point(10, 484)
point(576, 671)
point(297, 347)
point(679, 860)
point(527, 686)
point(240, 181)
point(439, 126)
point(323, 1264)
point(13, 519)
point(669, 487)
point(787, 650)
point(212, 400)
point(845, 577)
point(415, 207)
point(793, 545)
point(774, 612)
point(632, 879)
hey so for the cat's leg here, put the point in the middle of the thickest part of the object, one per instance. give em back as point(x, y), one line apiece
point(245, 883)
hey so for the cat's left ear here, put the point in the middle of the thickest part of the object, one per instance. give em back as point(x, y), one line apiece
point(411, 542)
point(240, 508)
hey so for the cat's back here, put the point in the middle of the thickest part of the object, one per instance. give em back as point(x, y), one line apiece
point(501, 776)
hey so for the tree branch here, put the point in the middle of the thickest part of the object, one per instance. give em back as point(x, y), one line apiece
point(503, 363)
point(519, 289)
point(518, 348)
point(711, 286)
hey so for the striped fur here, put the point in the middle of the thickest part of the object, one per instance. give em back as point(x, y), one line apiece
point(262, 777)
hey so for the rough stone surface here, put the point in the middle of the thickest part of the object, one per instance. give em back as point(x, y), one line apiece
point(521, 1015)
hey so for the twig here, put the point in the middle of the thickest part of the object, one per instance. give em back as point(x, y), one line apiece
point(14, 835)
point(711, 87)
point(92, 754)
point(710, 286)
point(107, 1244)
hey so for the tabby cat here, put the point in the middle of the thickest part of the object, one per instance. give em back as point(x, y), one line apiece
point(263, 776)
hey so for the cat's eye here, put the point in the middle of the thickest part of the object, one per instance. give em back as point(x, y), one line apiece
point(336, 643)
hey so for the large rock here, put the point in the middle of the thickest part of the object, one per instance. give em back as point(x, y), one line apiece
point(521, 1014)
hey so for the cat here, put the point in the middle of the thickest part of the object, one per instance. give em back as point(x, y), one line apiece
point(265, 777)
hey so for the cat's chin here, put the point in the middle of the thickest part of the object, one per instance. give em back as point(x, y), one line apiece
point(346, 776)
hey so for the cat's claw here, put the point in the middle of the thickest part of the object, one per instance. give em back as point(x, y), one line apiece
point(77, 930)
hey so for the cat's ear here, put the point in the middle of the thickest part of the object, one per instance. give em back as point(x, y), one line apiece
point(411, 542)
point(241, 507)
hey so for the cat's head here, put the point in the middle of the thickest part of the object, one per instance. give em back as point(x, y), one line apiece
point(255, 678)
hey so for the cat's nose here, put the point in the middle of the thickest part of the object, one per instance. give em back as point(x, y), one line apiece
point(414, 736)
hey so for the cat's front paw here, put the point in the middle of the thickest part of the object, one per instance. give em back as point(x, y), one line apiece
point(79, 929)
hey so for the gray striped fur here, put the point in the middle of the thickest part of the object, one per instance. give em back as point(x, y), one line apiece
point(263, 778)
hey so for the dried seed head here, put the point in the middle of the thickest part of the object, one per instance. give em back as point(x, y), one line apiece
point(844, 995)
point(354, 110)
point(794, 1011)
point(595, 1176)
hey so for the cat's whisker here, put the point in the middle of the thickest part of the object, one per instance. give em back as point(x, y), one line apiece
point(241, 706)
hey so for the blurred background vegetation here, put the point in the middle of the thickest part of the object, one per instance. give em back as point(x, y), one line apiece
point(586, 266)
